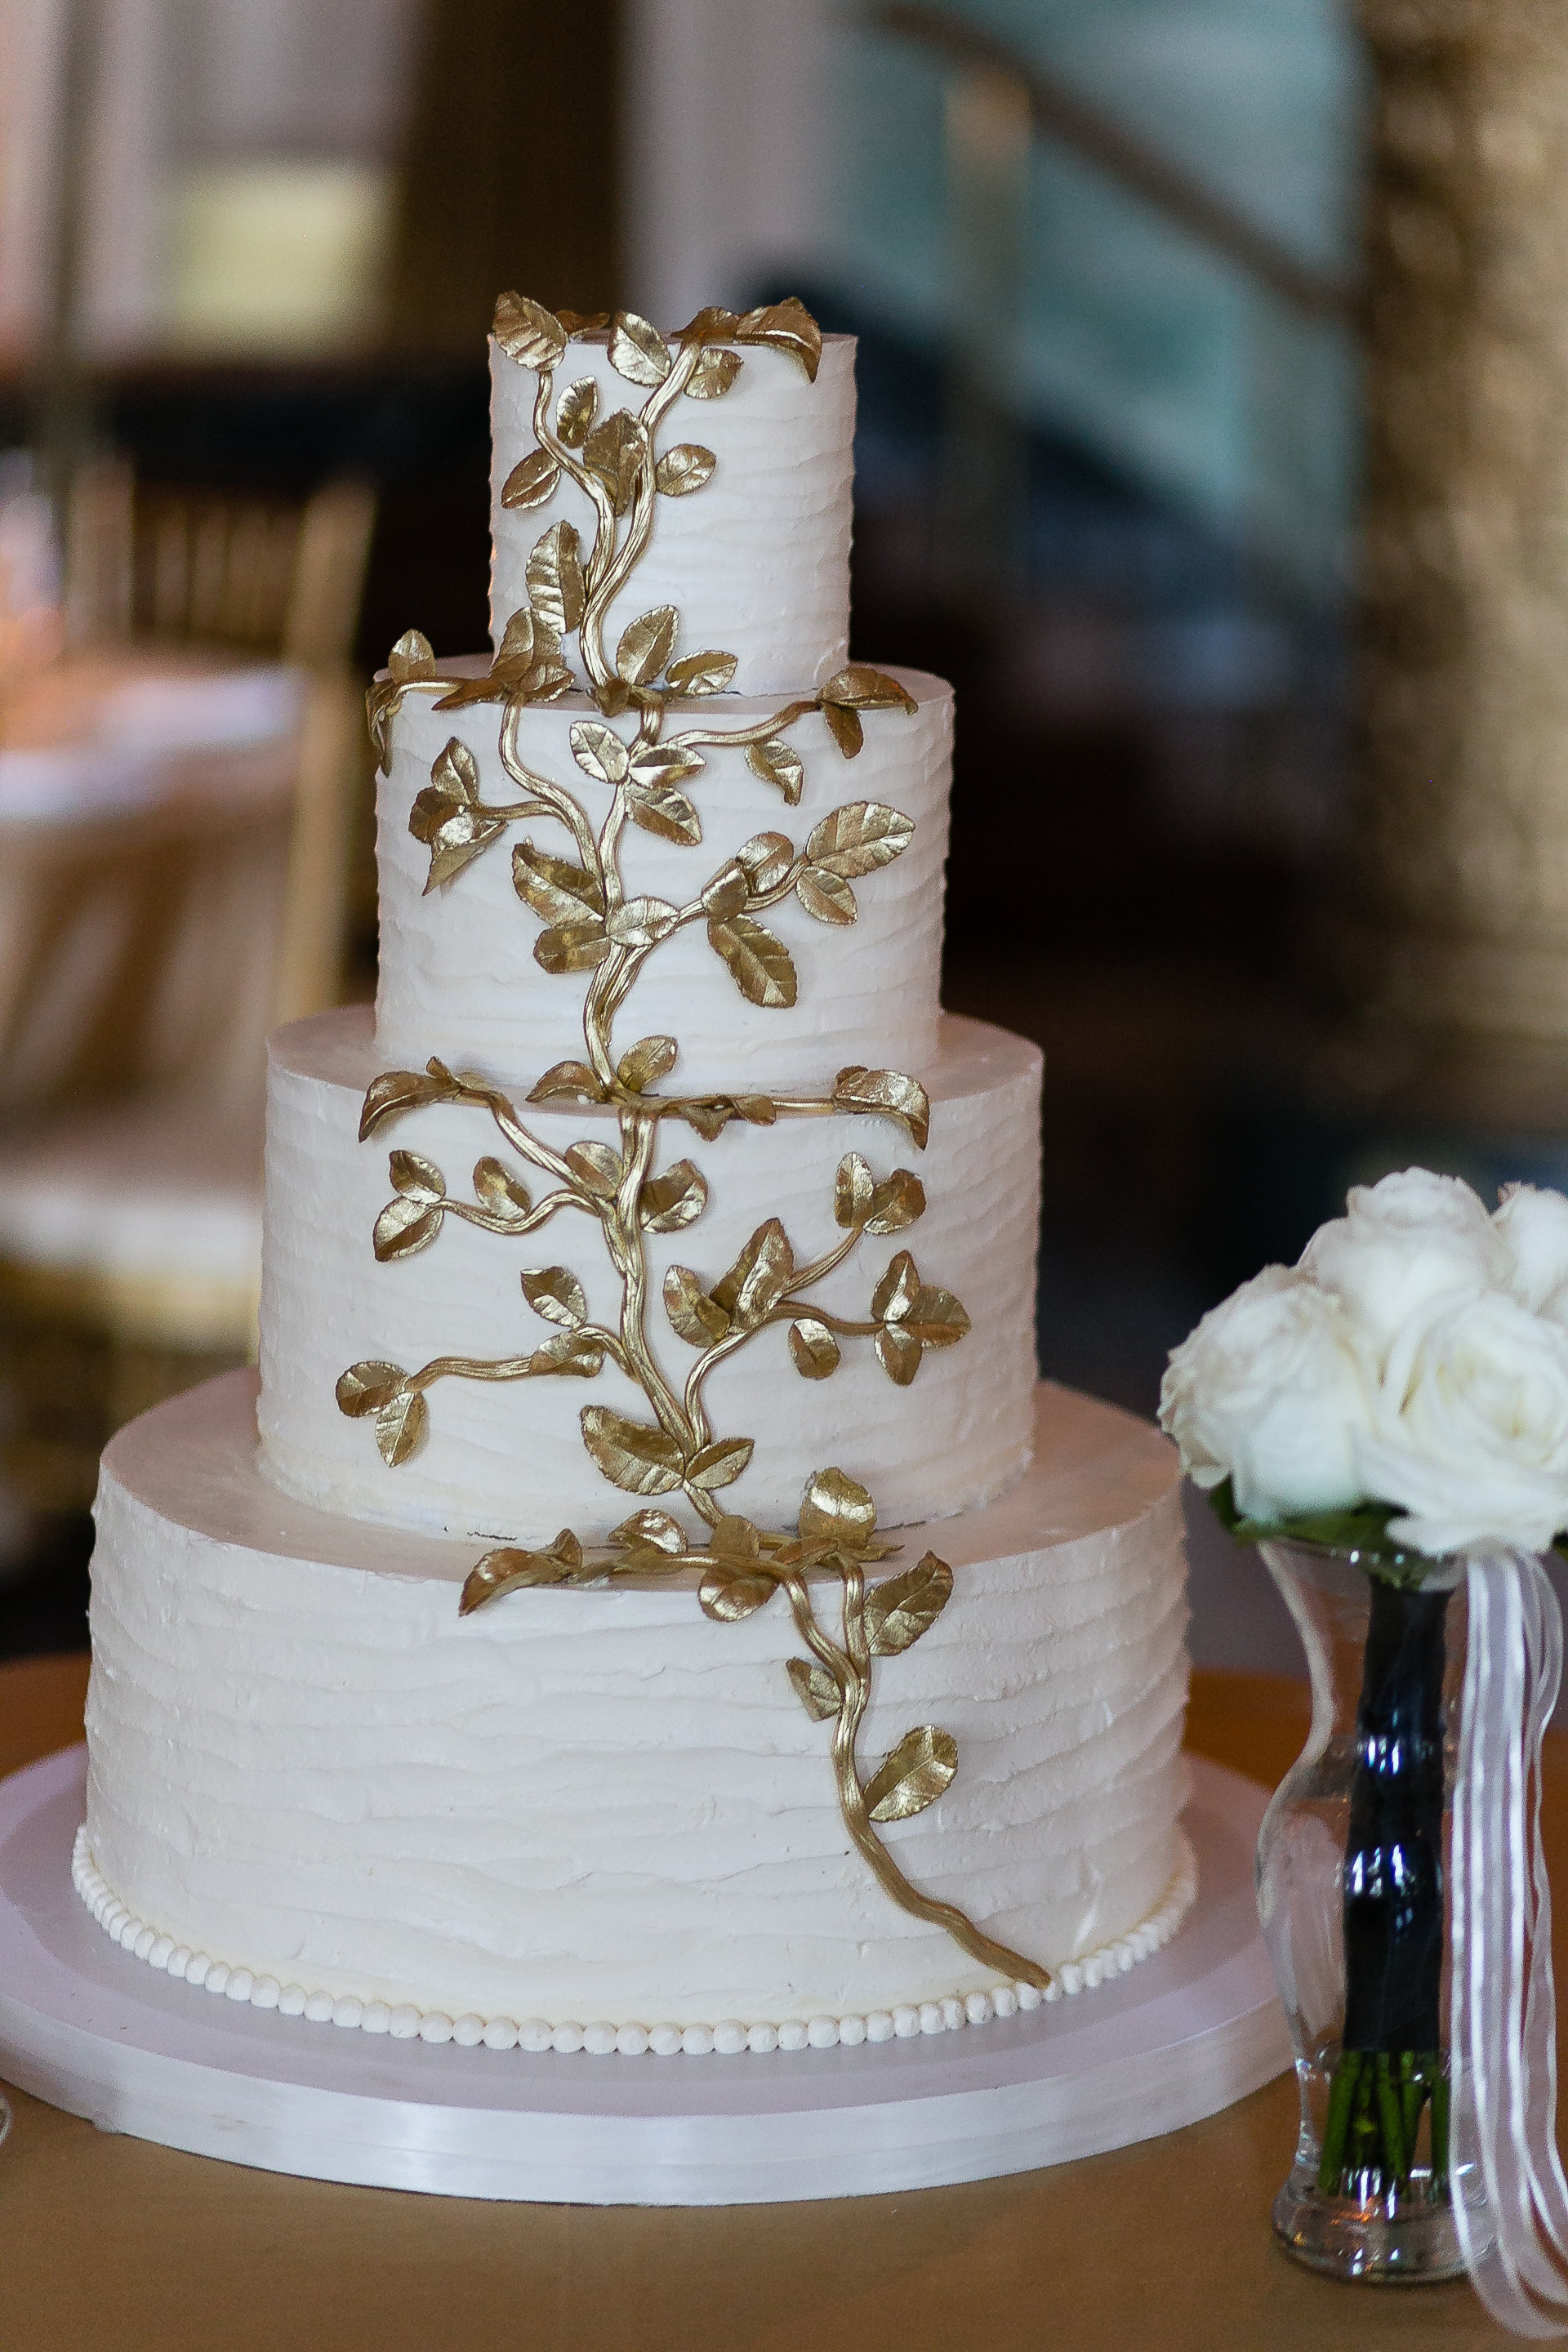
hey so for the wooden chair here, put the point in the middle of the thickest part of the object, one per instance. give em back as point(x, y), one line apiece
point(130, 1235)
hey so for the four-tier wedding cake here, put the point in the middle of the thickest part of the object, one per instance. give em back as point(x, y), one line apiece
point(661, 1611)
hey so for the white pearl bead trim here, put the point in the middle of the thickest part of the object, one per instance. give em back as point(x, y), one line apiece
point(602, 2039)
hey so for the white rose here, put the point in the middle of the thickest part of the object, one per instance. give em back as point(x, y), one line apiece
point(1533, 1225)
point(1471, 1431)
point(1271, 1391)
point(1402, 1244)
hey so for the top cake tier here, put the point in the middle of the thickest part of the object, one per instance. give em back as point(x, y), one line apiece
point(758, 566)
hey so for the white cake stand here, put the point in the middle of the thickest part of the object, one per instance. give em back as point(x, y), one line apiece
point(90, 2029)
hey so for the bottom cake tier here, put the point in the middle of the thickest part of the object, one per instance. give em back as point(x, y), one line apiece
point(594, 1816)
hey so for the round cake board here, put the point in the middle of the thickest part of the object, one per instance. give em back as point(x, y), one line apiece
point(91, 2029)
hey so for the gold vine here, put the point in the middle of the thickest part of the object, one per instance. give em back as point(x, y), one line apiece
point(590, 924)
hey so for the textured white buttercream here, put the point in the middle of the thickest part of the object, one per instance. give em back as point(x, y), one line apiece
point(508, 1460)
point(457, 972)
point(598, 1804)
point(757, 562)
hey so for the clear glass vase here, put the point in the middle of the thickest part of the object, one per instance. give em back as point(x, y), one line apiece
point(1352, 1876)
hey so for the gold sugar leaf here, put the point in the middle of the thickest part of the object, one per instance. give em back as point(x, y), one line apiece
point(411, 657)
point(759, 1278)
point(395, 1091)
point(454, 786)
point(765, 860)
point(648, 1060)
point(895, 1204)
point(728, 1595)
point(556, 1293)
point(500, 1190)
point(674, 1199)
point(861, 836)
point(400, 1426)
point(825, 895)
point(366, 1388)
point(860, 688)
point(665, 764)
point(720, 1464)
point(896, 1291)
point(405, 1226)
point(584, 323)
point(693, 1316)
point(903, 1607)
point(711, 377)
point(528, 332)
point(420, 1178)
point(654, 1531)
point(710, 1117)
point(813, 1348)
point(547, 681)
point(575, 412)
point(935, 1318)
point(599, 751)
point(728, 891)
point(815, 1688)
point(615, 450)
point(854, 1189)
point(557, 891)
point(844, 726)
point(517, 646)
point(664, 809)
point(612, 695)
point(642, 922)
point(889, 1092)
point(712, 324)
point(556, 589)
point(596, 1165)
point(532, 480)
point(736, 1540)
point(638, 350)
point(639, 1458)
point(773, 761)
point(913, 1776)
point(898, 1352)
point(511, 1569)
point(568, 1082)
point(571, 946)
point(759, 964)
point(787, 327)
point(572, 1355)
point(836, 1509)
point(700, 674)
point(646, 645)
point(757, 1110)
point(683, 470)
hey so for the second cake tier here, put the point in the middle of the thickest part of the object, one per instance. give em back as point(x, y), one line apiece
point(934, 1415)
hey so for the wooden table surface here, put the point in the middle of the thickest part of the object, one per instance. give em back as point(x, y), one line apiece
point(111, 2243)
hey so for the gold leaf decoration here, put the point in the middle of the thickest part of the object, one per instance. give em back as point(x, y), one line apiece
point(664, 763)
point(914, 1776)
point(787, 327)
point(903, 1607)
point(728, 1595)
point(596, 1165)
point(693, 1316)
point(898, 1353)
point(584, 323)
point(638, 350)
point(615, 451)
point(405, 1226)
point(889, 1092)
point(826, 896)
point(759, 1278)
point(411, 658)
point(896, 1291)
point(395, 1091)
point(599, 751)
point(860, 688)
point(400, 1426)
point(634, 1456)
point(572, 1355)
point(836, 1509)
point(854, 1189)
point(674, 1199)
point(665, 810)
point(813, 1348)
point(571, 946)
point(645, 645)
point(556, 589)
point(419, 1178)
point(844, 726)
point(760, 964)
point(533, 480)
point(446, 815)
point(575, 412)
point(650, 1059)
point(642, 922)
point(683, 470)
point(766, 861)
point(509, 1568)
point(366, 1388)
point(728, 891)
point(568, 1082)
point(557, 890)
point(773, 761)
point(757, 1110)
point(700, 674)
point(613, 696)
point(711, 377)
point(556, 1293)
point(859, 837)
point(718, 1464)
point(499, 1191)
point(528, 332)
point(816, 1689)
point(652, 1530)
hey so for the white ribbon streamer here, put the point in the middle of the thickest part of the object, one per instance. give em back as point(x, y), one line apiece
point(1504, 2009)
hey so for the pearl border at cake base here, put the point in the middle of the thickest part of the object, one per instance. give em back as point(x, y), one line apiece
point(85, 2026)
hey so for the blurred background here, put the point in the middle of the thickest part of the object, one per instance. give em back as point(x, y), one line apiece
point(1211, 439)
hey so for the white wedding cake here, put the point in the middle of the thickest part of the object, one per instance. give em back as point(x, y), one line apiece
point(662, 1611)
